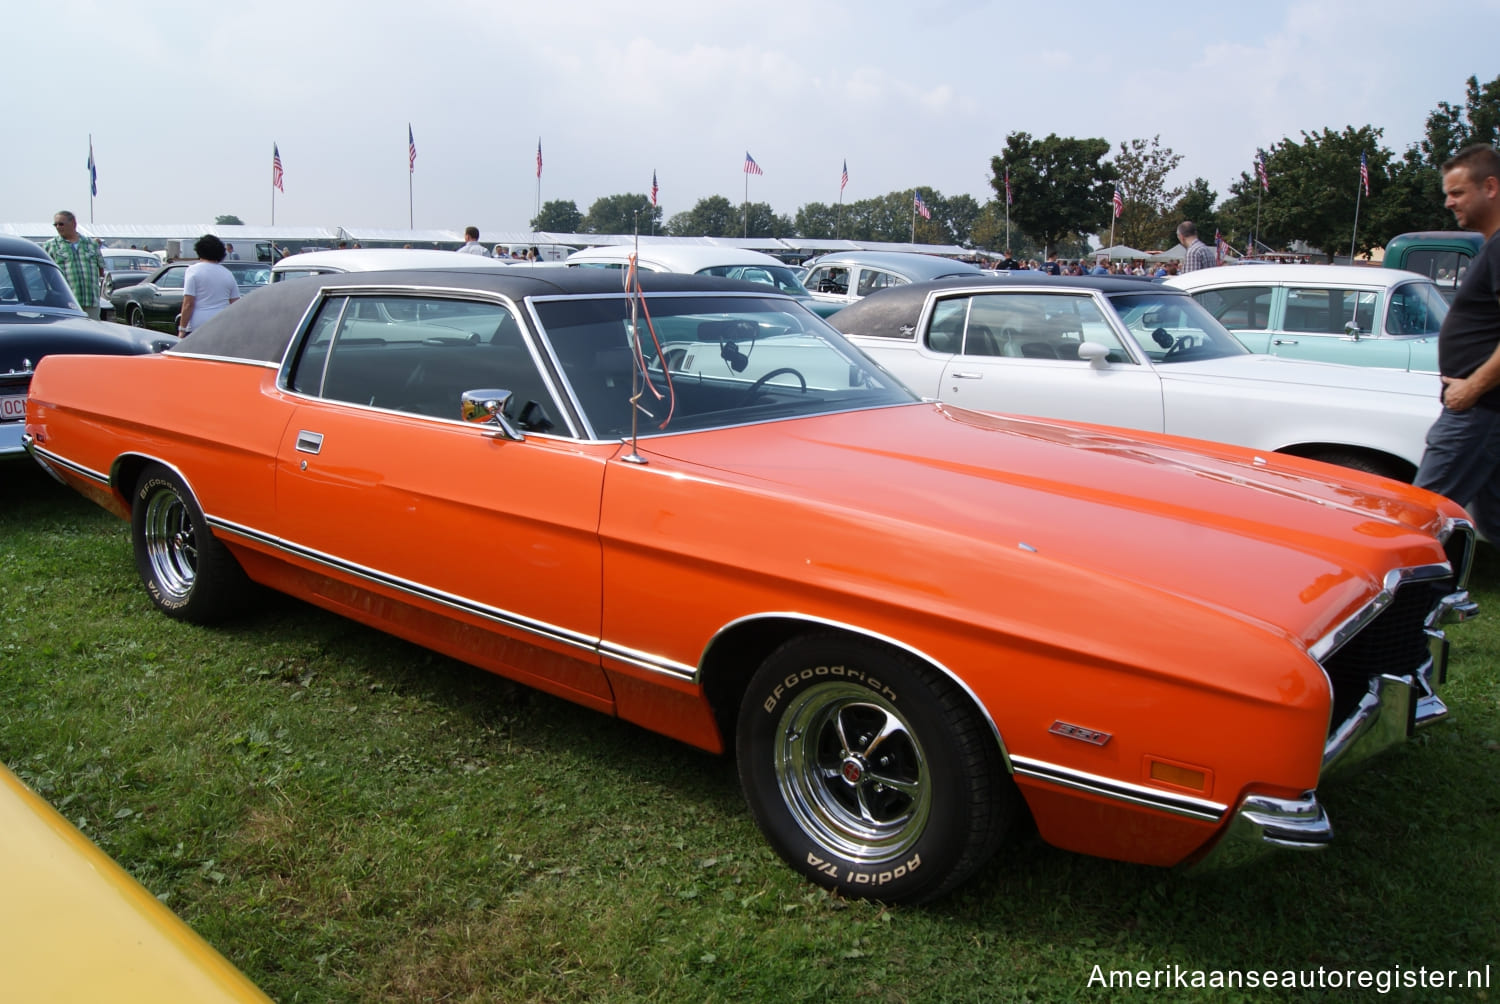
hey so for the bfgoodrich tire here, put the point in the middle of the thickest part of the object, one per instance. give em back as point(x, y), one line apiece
point(869, 771)
point(188, 574)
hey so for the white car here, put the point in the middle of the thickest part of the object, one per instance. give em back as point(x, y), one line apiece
point(1332, 313)
point(294, 266)
point(1138, 354)
point(841, 278)
point(698, 259)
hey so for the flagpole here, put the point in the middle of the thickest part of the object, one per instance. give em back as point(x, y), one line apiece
point(913, 216)
point(91, 179)
point(1358, 191)
point(1007, 211)
point(747, 203)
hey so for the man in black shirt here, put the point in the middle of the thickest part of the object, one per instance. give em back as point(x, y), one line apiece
point(1462, 460)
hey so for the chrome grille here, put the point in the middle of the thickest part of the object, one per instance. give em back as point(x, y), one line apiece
point(1394, 643)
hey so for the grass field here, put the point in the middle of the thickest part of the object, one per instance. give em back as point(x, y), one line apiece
point(349, 818)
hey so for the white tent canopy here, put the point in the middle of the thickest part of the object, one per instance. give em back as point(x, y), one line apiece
point(1121, 252)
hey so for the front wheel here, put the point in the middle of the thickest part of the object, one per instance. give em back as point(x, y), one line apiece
point(188, 573)
point(870, 772)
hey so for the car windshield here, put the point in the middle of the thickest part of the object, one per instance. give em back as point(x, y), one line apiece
point(26, 284)
point(1174, 328)
point(777, 276)
point(704, 362)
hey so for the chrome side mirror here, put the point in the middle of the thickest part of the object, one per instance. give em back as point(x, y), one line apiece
point(1352, 330)
point(487, 407)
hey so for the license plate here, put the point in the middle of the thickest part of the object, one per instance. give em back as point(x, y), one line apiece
point(12, 408)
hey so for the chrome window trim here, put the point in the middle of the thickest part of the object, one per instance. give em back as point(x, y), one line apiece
point(1121, 791)
point(542, 361)
point(238, 360)
point(1101, 302)
point(650, 431)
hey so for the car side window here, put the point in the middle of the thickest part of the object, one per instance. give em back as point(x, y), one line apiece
point(828, 279)
point(419, 355)
point(1441, 266)
point(1416, 309)
point(1239, 308)
point(1038, 326)
point(173, 278)
point(872, 279)
point(1326, 311)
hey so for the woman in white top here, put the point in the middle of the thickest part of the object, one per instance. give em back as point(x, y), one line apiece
point(208, 288)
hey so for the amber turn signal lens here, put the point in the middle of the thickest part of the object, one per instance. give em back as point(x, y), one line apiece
point(1182, 777)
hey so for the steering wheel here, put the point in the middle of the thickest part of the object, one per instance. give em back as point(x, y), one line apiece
point(1181, 345)
point(766, 377)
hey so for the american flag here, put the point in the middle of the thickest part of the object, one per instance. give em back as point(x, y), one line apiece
point(751, 167)
point(1119, 203)
point(844, 178)
point(276, 172)
point(921, 206)
point(1260, 171)
point(93, 171)
point(538, 156)
point(411, 151)
point(1007, 186)
point(1364, 173)
point(653, 188)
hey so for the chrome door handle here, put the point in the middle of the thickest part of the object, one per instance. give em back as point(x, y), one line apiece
point(1283, 341)
point(967, 375)
point(309, 442)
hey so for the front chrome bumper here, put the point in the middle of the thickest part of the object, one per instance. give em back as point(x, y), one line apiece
point(1388, 713)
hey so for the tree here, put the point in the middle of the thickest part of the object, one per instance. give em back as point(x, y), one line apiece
point(621, 214)
point(713, 216)
point(760, 220)
point(228, 221)
point(1196, 204)
point(1416, 197)
point(820, 220)
point(1148, 203)
point(558, 217)
point(1313, 191)
point(1062, 187)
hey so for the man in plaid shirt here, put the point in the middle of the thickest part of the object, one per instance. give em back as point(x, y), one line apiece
point(1199, 255)
point(79, 258)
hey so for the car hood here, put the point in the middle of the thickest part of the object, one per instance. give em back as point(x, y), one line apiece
point(1307, 373)
point(30, 335)
point(1087, 515)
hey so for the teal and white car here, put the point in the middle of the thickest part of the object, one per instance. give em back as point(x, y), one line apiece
point(1327, 313)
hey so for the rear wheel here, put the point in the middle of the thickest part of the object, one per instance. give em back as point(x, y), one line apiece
point(188, 573)
point(136, 316)
point(870, 772)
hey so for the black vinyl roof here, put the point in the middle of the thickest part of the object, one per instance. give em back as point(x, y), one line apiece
point(260, 326)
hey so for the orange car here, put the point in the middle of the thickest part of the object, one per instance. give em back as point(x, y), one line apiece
point(698, 508)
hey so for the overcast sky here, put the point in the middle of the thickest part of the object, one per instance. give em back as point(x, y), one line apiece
point(184, 100)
